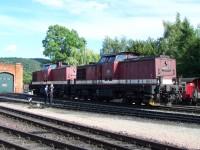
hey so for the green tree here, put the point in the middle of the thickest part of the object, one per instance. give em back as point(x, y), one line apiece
point(190, 67)
point(90, 56)
point(179, 38)
point(62, 44)
point(147, 47)
point(112, 46)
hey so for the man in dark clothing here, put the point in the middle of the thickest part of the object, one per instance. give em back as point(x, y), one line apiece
point(46, 94)
point(51, 94)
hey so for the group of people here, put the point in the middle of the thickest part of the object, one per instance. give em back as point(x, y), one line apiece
point(48, 93)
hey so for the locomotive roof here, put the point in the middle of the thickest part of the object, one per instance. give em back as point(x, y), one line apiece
point(120, 53)
point(146, 58)
point(108, 55)
point(133, 53)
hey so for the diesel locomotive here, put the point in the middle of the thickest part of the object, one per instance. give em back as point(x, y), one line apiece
point(126, 76)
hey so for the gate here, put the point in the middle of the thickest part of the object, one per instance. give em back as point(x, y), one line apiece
point(6, 82)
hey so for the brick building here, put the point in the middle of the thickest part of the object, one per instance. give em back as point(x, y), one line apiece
point(11, 78)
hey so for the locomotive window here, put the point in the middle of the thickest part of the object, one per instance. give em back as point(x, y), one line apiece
point(132, 56)
point(111, 59)
point(107, 59)
point(49, 66)
point(102, 60)
point(121, 57)
point(53, 66)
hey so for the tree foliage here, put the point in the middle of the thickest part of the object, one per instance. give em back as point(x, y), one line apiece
point(179, 40)
point(113, 46)
point(147, 47)
point(62, 44)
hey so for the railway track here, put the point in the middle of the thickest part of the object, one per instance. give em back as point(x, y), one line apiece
point(135, 112)
point(180, 108)
point(10, 145)
point(91, 137)
point(173, 108)
point(127, 111)
point(16, 139)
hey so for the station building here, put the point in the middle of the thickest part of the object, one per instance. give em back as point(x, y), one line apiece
point(11, 78)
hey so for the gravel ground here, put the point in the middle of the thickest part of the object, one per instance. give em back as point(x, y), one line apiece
point(181, 134)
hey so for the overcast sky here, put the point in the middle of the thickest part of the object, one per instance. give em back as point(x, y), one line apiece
point(23, 23)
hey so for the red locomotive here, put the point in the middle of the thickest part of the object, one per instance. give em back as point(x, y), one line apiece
point(189, 90)
point(126, 76)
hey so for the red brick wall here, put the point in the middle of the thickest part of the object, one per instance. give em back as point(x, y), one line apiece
point(17, 71)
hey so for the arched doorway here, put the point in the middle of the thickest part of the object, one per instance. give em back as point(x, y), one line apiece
point(6, 82)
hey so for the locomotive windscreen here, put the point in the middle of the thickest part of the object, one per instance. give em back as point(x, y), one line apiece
point(48, 66)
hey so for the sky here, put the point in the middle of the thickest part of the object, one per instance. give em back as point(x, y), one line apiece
point(24, 23)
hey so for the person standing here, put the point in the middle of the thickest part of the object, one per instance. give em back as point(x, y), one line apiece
point(46, 94)
point(51, 94)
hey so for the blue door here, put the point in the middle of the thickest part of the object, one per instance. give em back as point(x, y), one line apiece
point(6, 83)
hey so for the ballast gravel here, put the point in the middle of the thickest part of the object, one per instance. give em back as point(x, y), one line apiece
point(180, 134)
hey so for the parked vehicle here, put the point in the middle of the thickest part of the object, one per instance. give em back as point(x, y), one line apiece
point(190, 90)
point(126, 76)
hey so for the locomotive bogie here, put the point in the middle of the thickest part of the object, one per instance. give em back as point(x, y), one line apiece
point(133, 93)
